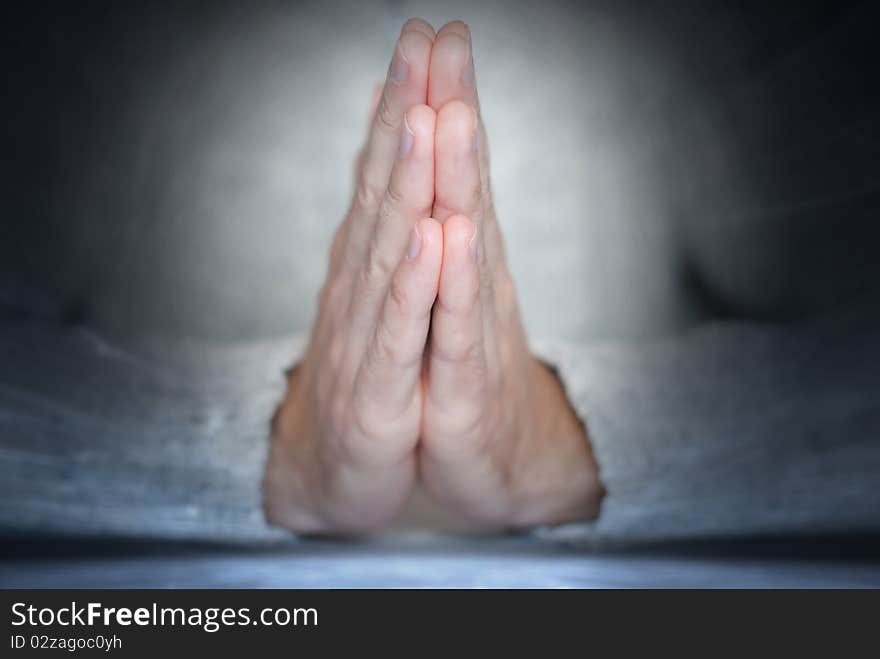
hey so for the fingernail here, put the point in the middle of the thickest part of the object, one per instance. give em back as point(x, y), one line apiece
point(399, 66)
point(406, 138)
point(415, 245)
point(472, 247)
point(467, 73)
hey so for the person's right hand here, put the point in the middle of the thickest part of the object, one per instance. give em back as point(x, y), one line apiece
point(342, 456)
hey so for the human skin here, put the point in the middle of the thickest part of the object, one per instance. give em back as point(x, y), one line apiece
point(418, 367)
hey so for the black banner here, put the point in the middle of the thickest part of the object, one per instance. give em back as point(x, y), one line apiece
point(134, 623)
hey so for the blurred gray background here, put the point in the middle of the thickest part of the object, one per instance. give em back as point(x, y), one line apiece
point(181, 170)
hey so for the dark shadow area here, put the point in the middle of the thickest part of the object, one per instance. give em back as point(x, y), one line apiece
point(833, 548)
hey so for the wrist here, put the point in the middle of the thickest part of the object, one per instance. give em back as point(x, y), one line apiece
point(558, 481)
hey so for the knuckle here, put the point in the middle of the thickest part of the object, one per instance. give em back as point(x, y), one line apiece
point(367, 198)
point(375, 273)
point(382, 351)
point(367, 421)
point(400, 298)
point(389, 432)
point(386, 118)
point(390, 349)
point(458, 349)
point(393, 197)
point(461, 428)
point(377, 270)
point(472, 355)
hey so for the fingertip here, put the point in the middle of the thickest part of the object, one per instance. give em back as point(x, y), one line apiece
point(426, 241)
point(417, 137)
point(422, 120)
point(431, 235)
point(431, 232)
point(457, 111)
point(416, 45)
point(451, 74)
point(410, 63)
point(420, 25)
point(457, 27)
point(459, 233)
point(457, 124)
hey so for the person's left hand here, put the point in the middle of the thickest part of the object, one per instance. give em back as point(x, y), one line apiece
point(500, 442)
